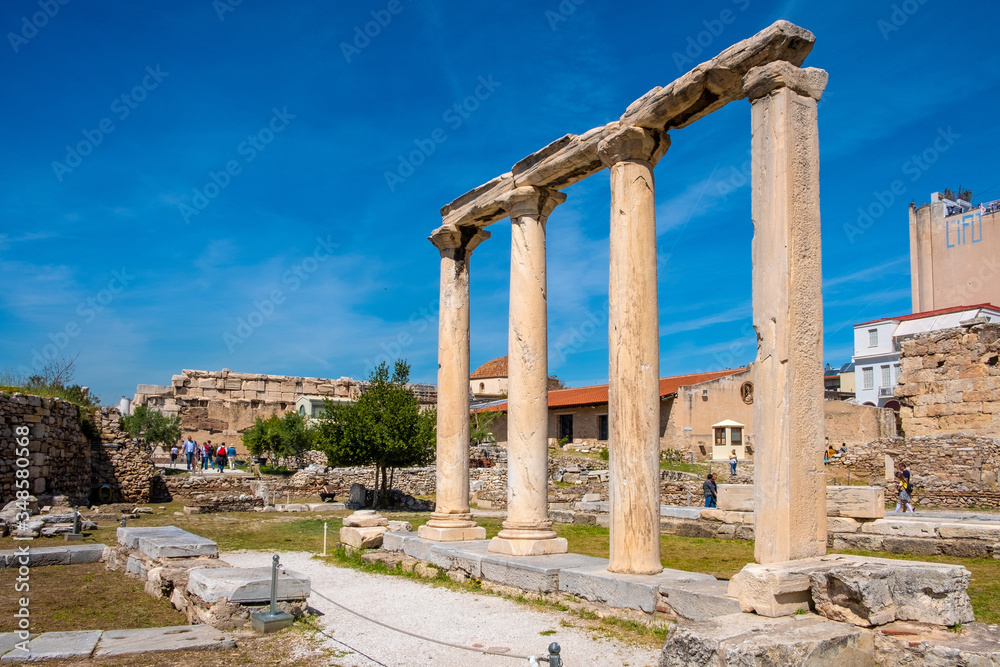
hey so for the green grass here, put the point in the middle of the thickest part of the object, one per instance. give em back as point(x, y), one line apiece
point(700, 469)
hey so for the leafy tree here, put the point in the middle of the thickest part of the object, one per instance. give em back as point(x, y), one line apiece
point(384, 428)
point(153, 426)
point(285, 436)
point(481, 426)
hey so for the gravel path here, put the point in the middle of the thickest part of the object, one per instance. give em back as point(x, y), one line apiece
point(462, 618)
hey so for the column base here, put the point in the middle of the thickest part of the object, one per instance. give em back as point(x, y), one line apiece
point(552, 545)
point(454, 534)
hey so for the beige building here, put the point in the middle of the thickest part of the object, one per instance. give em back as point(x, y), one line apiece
point(490, 380)
point(954, 254)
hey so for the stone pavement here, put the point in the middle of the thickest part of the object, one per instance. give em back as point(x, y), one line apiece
point(97, 643)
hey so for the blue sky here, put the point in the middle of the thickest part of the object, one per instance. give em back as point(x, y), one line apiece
point(190, 184)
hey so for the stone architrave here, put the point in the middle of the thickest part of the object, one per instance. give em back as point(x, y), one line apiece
point(451, 520)
point(634, 351)
point(789, 481)
point(527, 531)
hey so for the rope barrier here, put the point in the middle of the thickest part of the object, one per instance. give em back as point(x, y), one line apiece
point(429, 639)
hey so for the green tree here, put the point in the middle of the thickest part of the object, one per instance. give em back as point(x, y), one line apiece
point(384, 428)
point(286, 436)
point(152, 426)
point(481, 426)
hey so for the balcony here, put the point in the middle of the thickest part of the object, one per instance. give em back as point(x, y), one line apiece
point(885, 391)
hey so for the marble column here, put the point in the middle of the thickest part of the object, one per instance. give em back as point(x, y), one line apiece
point(789, 480)
point(451, 520)
point(634, 352)
point(528, 530)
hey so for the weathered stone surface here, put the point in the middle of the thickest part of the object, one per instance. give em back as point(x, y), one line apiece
point(977, 531)
point(362, 538)
point(478, 207)
point(177, 638)
point(365, 519)
point(871, 592)
point(742, 640)
point(539, 573)
point(736, 497)
point(400, 526)
point(835, 524)
point(907, 644)
point(900, 528)
point(858, 502)
point(41, 556)
point(699, 600)
point(624, 591)
point(246, 585)
point(56, 645)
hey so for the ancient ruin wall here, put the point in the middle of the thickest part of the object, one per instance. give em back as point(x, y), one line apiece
point(950, 382)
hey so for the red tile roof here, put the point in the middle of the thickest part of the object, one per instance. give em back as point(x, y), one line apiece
point(494, 368)
point(930, 313)
point(598, 394)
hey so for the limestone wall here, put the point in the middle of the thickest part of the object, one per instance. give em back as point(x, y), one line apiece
point(855, 425)
point(950, 382)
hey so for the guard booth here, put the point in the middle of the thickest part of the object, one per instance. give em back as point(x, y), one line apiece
point(728, 435)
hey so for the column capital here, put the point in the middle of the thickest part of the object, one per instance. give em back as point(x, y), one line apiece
point(763, 80)
point(630, 144)
point(458, 238)
point(531, 200)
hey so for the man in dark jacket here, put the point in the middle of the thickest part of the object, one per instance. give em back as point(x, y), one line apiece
point(711, 490)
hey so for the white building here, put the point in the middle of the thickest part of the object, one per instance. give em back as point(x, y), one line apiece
point(876, 347)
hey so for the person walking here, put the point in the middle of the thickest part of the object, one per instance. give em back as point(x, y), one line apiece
point(732, 464)
point(197, 457)
point(231, 455)
point(221, 454)
point(173, 456)
point(903, 497)
point(711, 490)
point(206, 455)
point(189, 447)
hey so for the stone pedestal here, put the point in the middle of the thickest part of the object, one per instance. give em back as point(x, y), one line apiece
point(451, 520)
point(528, 530)
point(789, 484)
point(634, 352)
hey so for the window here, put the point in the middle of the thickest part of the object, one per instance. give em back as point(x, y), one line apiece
point(602, 427)
point(720, 437)
point(482, 387)
point(873, 338)
point(886, 377)
point(896, 371)
point(566, 427)
point(736, 434)
point(868, 378)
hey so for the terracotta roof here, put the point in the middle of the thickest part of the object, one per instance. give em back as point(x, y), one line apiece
point(930, 313)
point(494, 368)
point(598, 394)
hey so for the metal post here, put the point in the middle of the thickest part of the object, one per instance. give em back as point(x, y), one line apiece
point(123, 522)
point(76, 519)
point(324, 538)
point(689, 497)
point(274, 585)
point(554, 659)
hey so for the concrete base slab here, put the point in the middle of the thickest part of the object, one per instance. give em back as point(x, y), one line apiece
point(166, 542)
point(55, 646)
point(246, 585)
point(748, 639)
point(451, 534)
point(70, 554)
point(178, 638)
point(129, 536)
point(533, 573)
point(555, 545)
point(464, 556)
point(267, 623)
point(628, 591)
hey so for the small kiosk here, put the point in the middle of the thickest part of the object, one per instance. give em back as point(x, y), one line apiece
point(728, 435)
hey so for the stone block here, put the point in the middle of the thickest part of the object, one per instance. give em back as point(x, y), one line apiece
point(400, 526)
point(176, 638)
point(745, 639)
point(38, 557)
point(857, 542)
point(699, 600)
point(365, 519)
point(914, 546)
point(625, 591)
point(965, 548)
point(857, 502)
point(465, 556)
point(680, 512)
point(362, 538)
point(129, 536)
point(246, 585)
point(187, 545)
point(900, 528)
point(839, 524)
point(877, 591)
point(603, 506)
point(976, 531)
point(393, 541)
point(736, 497)
point(534, 573)
point(778, 589)
point(56, 646)
point(135, 566)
